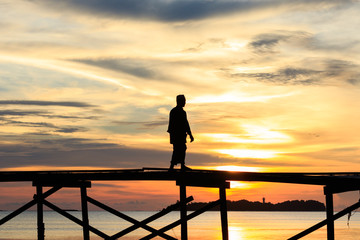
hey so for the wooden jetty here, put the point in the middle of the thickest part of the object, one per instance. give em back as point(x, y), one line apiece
point(332, 182)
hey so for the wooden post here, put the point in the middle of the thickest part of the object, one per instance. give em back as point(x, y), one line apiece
point(330, 216)
point(183, 212)
point(85, 215)
point(223, 210)
point(40, 213)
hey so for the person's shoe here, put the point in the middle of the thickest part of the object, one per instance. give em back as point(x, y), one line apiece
point(185, 168)
point(171, 168)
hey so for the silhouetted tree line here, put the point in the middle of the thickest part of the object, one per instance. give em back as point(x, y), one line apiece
point(245, 205)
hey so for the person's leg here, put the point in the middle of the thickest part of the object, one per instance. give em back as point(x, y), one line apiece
point(178, 156)
point(175, 156)
point(182, 154)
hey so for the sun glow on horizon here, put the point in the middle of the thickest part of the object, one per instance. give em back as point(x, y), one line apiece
point(238, 168)
point(251, 134)
point(236, 98)
point(247, 153)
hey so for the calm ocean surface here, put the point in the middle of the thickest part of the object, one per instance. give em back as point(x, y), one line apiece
point(242, 225)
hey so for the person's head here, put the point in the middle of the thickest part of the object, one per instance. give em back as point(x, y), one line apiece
point(180, 100)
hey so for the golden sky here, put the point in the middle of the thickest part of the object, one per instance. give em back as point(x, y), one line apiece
point(270, 85)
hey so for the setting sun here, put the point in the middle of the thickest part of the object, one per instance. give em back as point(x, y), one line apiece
point(238, 184)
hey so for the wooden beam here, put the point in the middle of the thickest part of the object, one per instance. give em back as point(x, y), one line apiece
point(62, 183)
point(162, 175)
point(339, 188)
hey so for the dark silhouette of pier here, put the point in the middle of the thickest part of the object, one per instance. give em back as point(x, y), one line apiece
point(333, 183)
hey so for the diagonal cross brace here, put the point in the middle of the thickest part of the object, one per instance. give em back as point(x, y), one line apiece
point(28, 205)
point(324, 222)
point(188, 217)
point(137, 224)
point(153, 217)
point(74, 219)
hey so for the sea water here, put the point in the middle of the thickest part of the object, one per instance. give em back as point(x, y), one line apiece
point(242, 225)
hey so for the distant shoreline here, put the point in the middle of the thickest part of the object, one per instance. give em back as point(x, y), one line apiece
point(248, 206)
point(244, 206)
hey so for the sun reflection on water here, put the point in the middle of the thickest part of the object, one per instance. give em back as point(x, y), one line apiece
point(236, 233)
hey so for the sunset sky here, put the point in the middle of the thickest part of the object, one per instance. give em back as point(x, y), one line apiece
point(271, 85)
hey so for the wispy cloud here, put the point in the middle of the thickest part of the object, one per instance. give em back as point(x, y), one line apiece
point(42, 125)
point(138, 68)
point(20, 113)
point(158, 9)
point(42, 120)
point(268, 42)
point(144, 123)
point(175, 10)
point(45, 103)
point(293, 76)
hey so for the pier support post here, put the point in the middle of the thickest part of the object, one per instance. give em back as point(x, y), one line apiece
point(183, 212)
point(223, 210)
point(219, 183)
point(330, 215)
point(85, 215)
point(40, 213)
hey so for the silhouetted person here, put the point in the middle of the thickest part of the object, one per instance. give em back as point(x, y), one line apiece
point(179, 128)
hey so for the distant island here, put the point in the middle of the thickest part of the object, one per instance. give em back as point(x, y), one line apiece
point(245, 205)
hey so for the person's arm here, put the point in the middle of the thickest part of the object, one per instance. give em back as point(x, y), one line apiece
point(188, 130)
point(171, 123)
point(191, 137)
